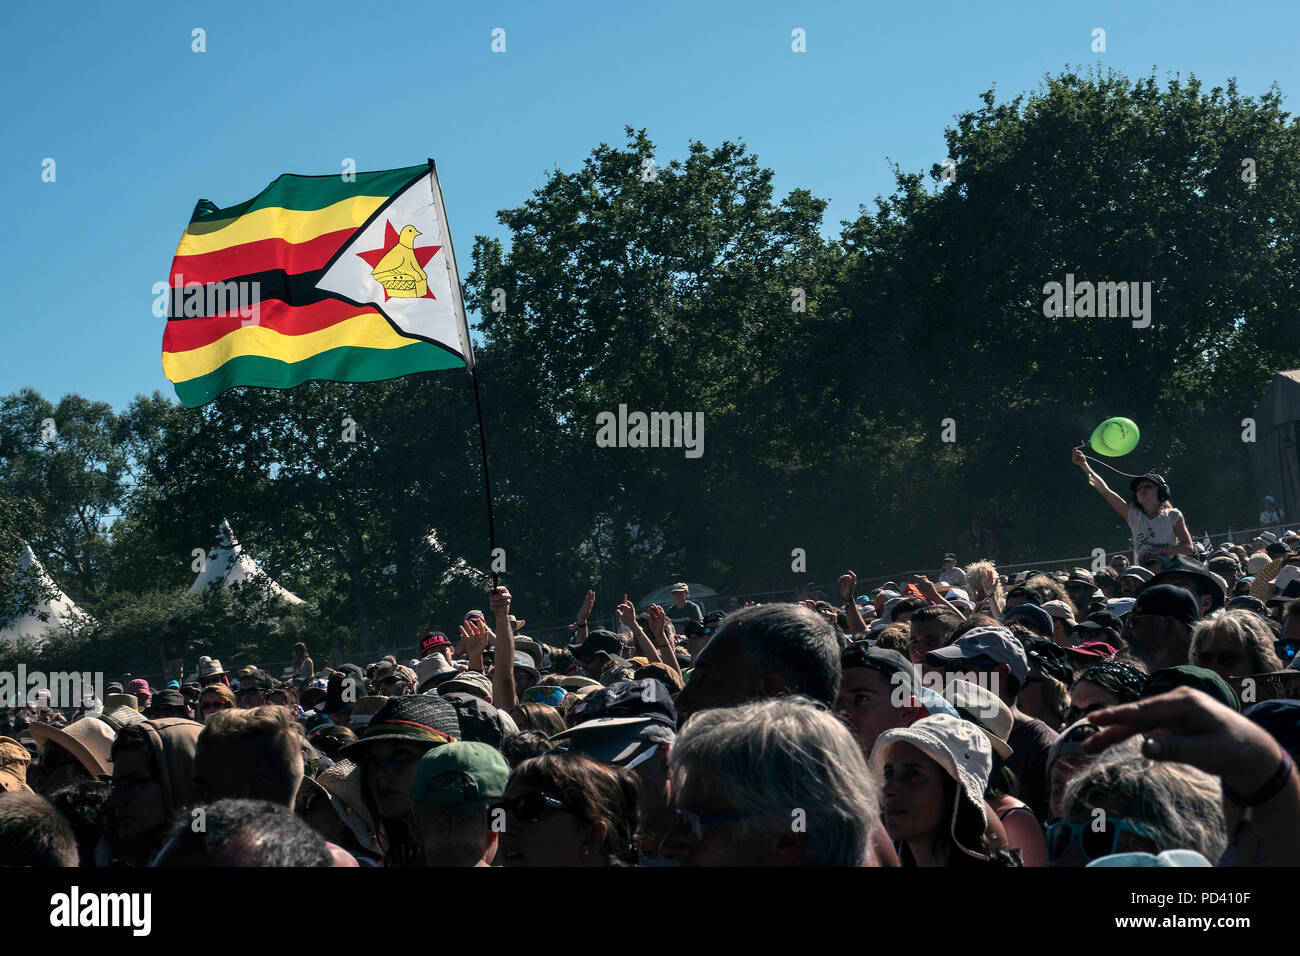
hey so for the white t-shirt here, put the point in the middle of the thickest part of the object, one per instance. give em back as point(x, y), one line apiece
point(1148, 533)
point(955, 578)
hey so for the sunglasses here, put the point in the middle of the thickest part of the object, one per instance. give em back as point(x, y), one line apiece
point(248, 691)
point(531, 807)
point(1094, 842)
point(215, 705)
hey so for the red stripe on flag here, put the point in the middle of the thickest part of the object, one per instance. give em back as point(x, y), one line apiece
point(181, 335)
point(260, 256)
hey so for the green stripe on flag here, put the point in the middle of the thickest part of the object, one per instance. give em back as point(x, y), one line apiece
point(308, 193)
point(337, 365)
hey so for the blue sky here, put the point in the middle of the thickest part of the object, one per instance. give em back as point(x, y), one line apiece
point(140, 126)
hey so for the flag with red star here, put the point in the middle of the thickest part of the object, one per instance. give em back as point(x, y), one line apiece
point(347, 278)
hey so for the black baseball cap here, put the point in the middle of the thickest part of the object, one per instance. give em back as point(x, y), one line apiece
point(1166, 600)
point(628, 698)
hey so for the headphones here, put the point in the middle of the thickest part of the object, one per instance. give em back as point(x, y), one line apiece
point(1162, 486)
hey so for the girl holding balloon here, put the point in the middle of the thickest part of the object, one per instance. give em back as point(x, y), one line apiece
point(1157, 527)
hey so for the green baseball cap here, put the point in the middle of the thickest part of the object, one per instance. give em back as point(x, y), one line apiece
point(459, 773)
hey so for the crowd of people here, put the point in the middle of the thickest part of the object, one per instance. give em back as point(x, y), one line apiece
point(1140, 714)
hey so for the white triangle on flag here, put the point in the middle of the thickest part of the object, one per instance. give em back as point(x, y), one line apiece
point(437, 317)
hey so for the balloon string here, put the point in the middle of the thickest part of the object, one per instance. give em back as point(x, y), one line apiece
point(1104, 465)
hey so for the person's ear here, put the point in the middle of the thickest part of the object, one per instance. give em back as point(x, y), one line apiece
point(772, 684)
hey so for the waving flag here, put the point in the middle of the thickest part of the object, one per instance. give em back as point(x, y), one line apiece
point(331, 278)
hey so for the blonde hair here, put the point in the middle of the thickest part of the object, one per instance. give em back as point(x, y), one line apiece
point(1247, 630)
point(268, 739)
point(975, 574)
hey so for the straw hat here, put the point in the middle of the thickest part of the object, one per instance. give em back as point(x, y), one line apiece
point(89, 739)
point(1262, 586)
point(342, 781)
point(113, 701)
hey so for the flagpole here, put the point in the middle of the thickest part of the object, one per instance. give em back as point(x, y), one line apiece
point(458, 296)
point(487, 479)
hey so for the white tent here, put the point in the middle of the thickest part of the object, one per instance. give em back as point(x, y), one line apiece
point(62, 610)
point(227, 565)
point(701, 594)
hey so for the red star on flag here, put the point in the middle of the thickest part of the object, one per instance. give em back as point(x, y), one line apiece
point(422, 255)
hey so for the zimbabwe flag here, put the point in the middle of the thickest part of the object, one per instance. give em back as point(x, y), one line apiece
point(344, 278)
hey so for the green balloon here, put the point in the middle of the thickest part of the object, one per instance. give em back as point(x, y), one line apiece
point(1115, 437)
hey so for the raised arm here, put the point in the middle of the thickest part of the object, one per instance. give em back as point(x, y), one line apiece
point(503, 678)
point(580, 624)
point(1260, 787)
point(848, 589)
point(627, 614)
point(931, 593)
point(1094, 479)
point(658, 620)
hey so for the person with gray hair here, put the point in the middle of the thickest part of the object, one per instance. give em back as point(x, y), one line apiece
point(1124, 802)
point(776, 782)
point(764, 651)
point(1234, 644)
point(243, 833)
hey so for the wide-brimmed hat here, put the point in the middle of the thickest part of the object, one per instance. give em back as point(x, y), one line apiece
point(364, 710)
point(342, 781)
point(575, 682)
point(432, 671)
point(419, 718)
point(1181, 564)
point(1262, 585)
point(524, 662)
point(210, 668)
point(113, 701)
point(1136, 571)
point(472, 682)
point(960, 747)
point(984, 708)
point(531, 648)
point(89, 739)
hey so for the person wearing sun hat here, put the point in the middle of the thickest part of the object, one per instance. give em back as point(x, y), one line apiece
point(342, 782)
point(984, 709)
point(933, 823)
point(400, 733)
point(80, 751)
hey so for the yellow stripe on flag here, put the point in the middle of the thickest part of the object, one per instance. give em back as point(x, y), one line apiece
point(275, 222)
point(369, 331)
